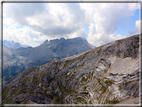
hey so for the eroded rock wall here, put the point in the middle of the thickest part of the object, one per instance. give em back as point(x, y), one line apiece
point(104, 75)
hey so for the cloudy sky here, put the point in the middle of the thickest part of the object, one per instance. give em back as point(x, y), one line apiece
point(100, 23)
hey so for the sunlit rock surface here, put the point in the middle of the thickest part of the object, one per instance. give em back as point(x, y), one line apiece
point(108, 74)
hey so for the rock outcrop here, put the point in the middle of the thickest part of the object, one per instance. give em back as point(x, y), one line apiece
point(17, 60)
point(108, 74)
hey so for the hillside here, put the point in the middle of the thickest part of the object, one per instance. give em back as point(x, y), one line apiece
point(17, 60)
point(108, 74)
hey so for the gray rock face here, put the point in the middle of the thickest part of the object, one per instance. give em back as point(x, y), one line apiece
point(17, 60)
point(107, 74)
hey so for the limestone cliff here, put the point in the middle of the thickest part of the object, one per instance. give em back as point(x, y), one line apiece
point(107, 74)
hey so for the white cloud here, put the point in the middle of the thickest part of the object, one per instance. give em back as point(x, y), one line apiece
point(106, 18)
point(79, 33)
point(20, 35)
point(133, 6)
point(137, 26)
point(136, 29)
point(53, 20)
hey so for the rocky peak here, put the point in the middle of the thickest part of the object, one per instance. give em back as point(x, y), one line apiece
point(17, 60)
point(108, 74)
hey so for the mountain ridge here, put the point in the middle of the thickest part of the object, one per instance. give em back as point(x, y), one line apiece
point(12, 44)
point(16, 60)
point(107, 74)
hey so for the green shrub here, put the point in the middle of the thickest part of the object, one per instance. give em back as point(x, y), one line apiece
point(80, 101)
point(83, 79)
point(31, 91)
point(5, 92)
point(109, 82)
point(9, 101)
point(35, 80)
point(24, 101)
point(57, 99)
point(66, 63)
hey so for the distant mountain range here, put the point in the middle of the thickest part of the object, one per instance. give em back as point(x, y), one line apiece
point(12, 44)
point(108, 74)
point(15, 59)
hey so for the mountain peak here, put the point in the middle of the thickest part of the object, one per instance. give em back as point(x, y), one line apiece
point(12, 44)
point(108, 74)
point(62, 38)
point(16, 61)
